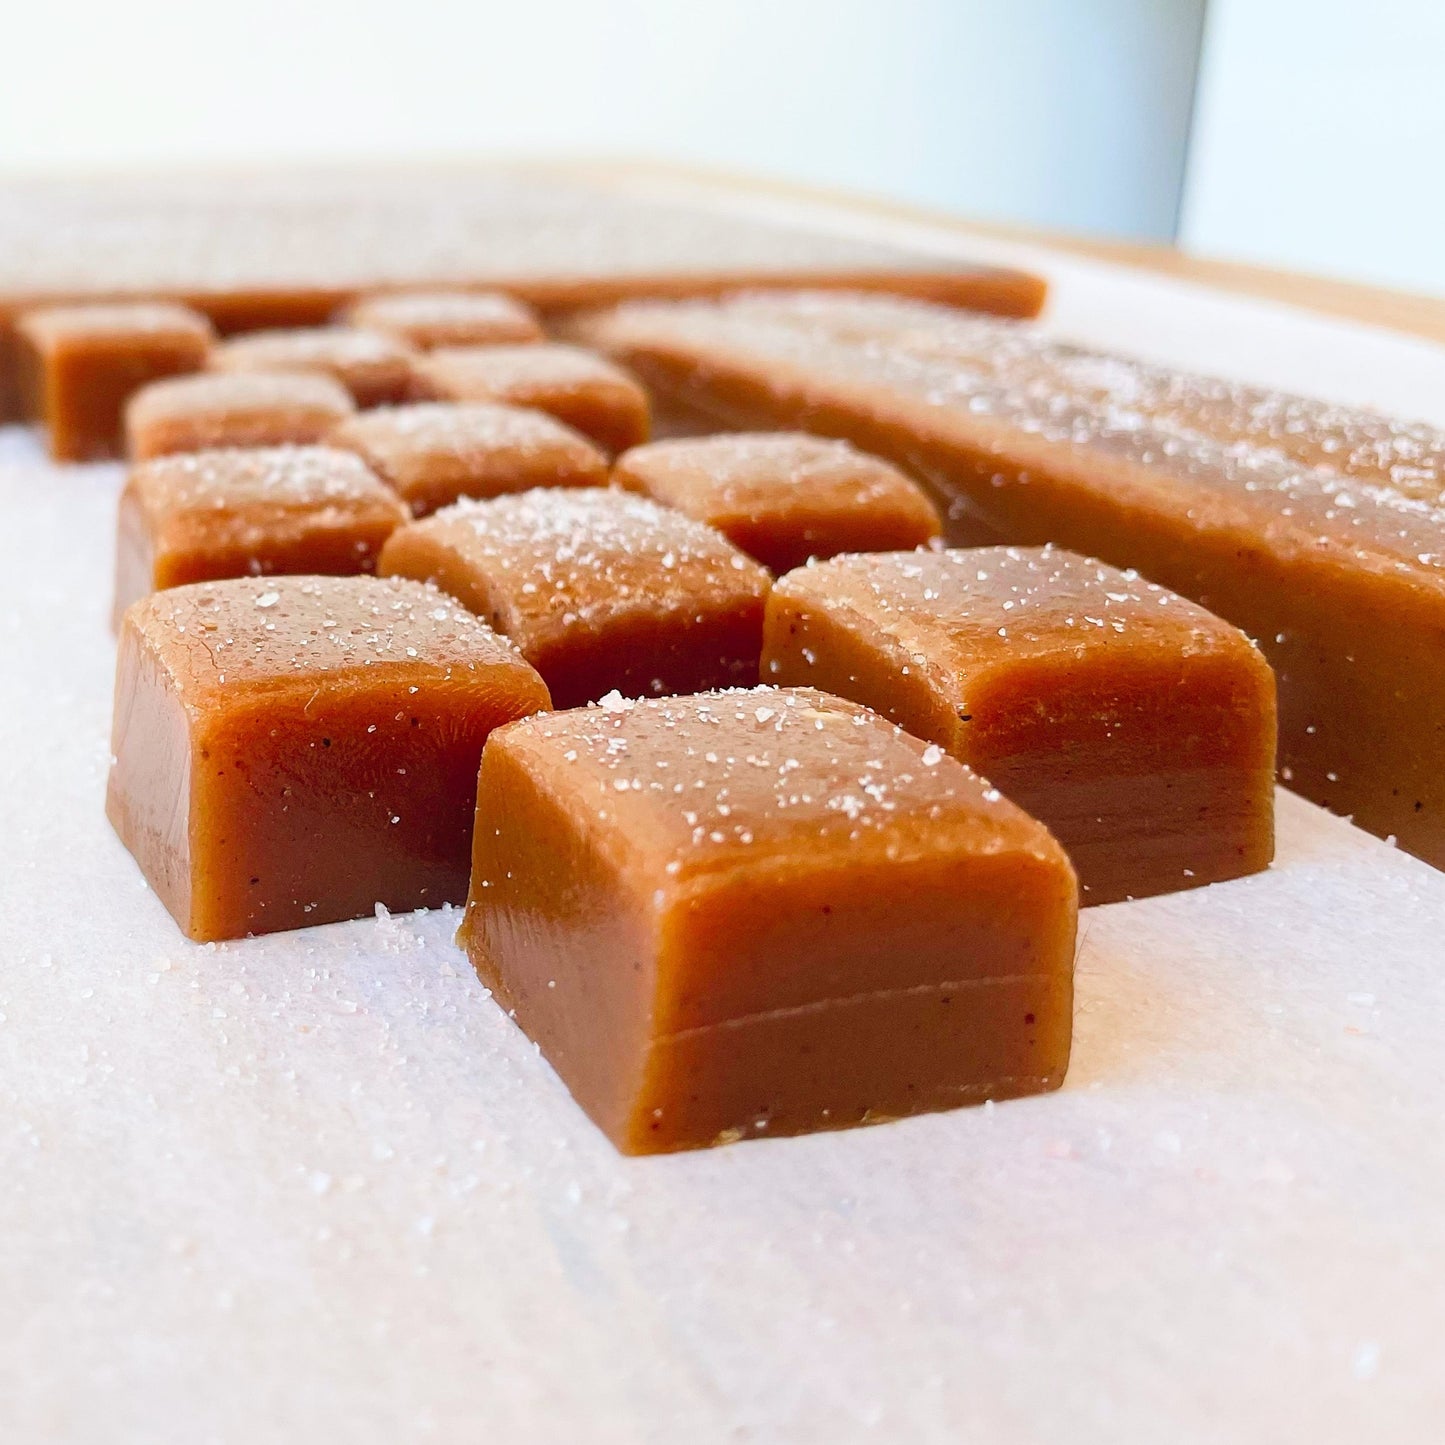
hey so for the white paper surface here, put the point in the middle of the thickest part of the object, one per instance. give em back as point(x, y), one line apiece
point(315, 1187)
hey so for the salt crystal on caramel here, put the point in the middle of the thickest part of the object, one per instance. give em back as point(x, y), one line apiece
point(197, 413)
point(784, 497)
point(375, 368)
point(577, 387)
point(601, 590)
point(204, 516)
point(429, 319)
point(295, 750)
point(79, 365)
point(1137, 726)
point(764, 912)
point(435, 453)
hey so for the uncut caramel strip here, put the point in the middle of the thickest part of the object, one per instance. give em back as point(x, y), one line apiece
point(288, 247)
point(1339, 574)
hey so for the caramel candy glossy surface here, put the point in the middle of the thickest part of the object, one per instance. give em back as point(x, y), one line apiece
point(1338, 571)
point(602, 591)
point(80, 364)
point(435, 453)
point(295, 750)
point(784, 497)
point(428, 319)
point(203, 516)
point(197, 413)
point(375, 368)
point(764, 912)
point(1136, 726)
point(577, 387)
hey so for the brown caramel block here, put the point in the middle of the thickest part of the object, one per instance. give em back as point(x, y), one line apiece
point(784, 497)
point(435, 453)
point(1137, 727)
point(204, 516)
point(295, 750)
point(765, 912)
point(1338, 572)
point(601, 590)
point(373, 367)
point(577, 387)
point(80, 364)
point(199, 413)
point(429, 319)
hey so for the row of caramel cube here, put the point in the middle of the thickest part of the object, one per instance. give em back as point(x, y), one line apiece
point(770, 813)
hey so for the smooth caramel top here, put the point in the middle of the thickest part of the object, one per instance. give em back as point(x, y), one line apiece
point(552, 562)
point(762, 776)
point(429, 319)
point(222, 640)
point(968, 610)
point(744, 474)
point(101, 322)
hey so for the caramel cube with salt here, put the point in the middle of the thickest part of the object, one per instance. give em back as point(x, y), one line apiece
point(764, 912)
point(602, 591)
point(578, 387)
point(435, 453)
point(204, 516)
point(373, 367)
point(197, 413)
point(296, 750)
point(79, 365)
point(784, 497)
point(429, 319)
point(1137, 726)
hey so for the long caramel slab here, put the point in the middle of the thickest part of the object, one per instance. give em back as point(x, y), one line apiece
point(288, 247)
point(1211, 490)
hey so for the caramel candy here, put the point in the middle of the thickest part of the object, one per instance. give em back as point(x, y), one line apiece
point(602, 591)
point(373, 367)
point(1337, 571)
point(295, 750)
point(601, 400)
point(428, 319)
point(765, 912)
point(80, 364)
point(197, 413)
point(1136, 726)
point(784, 497)
point(203, 516)
point(435, 453)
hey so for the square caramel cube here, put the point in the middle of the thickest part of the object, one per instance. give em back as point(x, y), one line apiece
point(204, 516)
point(197, 413)
point(578, 387)
point(429, 319)
point(1137, 726)
point(295, 750)
point(763, 912)
point(601, 591)
point(79, 365)
point(784, 497)
point(435, 453)
point(374, 367)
